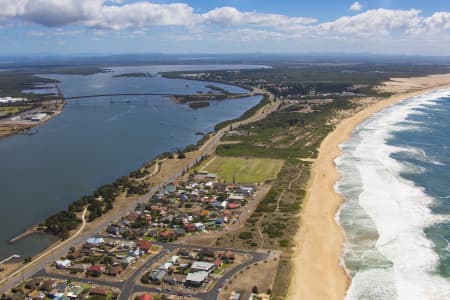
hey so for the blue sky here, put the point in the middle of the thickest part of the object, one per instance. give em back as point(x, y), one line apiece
point(224, 26)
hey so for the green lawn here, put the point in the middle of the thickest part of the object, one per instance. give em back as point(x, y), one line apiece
point(245, 170)
point(13, 109)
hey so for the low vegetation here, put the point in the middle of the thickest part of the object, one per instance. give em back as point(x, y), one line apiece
point(199, 104)
point(242, 169)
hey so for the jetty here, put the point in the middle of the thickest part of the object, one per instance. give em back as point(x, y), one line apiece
point(9, 258)
point(23, 235)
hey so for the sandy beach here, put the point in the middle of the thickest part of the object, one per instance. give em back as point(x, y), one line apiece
point(318, 272)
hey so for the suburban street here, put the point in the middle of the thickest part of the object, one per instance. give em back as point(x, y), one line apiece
point(129, 286)
point(37, 265)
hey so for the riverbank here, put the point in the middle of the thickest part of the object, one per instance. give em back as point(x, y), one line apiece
point(165, 171)
point(16, 125)
point(319, 273)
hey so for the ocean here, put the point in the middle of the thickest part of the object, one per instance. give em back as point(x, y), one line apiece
point(396, 184)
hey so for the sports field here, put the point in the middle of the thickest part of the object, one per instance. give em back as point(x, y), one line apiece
point(244, 170)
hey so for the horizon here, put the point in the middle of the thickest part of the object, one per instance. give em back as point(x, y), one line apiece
point(141, 27)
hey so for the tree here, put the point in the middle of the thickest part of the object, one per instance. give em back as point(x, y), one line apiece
point(181, 154)
point(27, 260)
point(255, 290)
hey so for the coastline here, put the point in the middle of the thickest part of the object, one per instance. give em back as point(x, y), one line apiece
point(19, 127)
point(318, 269)
point(166, 171)
point(256, 112)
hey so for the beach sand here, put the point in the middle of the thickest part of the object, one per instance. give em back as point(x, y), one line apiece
point(318, 272)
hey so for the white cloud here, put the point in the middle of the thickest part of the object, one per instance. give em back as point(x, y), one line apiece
point(35, 33)
point(50, 12)
point(102, 16)
point(356, 6)
point(378, 22)
point(143, 14)
point(231, 16)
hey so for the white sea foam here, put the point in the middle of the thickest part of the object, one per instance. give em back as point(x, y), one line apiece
point(421, 155)
point(398, 209)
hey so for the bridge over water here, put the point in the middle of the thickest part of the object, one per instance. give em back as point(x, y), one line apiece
point(121, 94)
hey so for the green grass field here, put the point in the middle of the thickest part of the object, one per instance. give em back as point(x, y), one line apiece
point(245, 170)
point(13, 109)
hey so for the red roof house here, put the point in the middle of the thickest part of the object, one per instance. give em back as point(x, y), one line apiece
point(146, 297)
point(144, 245)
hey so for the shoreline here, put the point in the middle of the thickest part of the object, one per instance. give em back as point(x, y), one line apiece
point(319, 272)
point(172, 172)
point(22, 127)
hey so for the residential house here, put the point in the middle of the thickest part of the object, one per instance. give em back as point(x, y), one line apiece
point(95, 270)
point(144, 245)
point(132, 217)
point(234, 205)
point(63, 264)
point(75, 255)
point(113, 229)
point(127, 245)
point(174, 259)
point(78, 268)
point(236, 198)
point(157, 276)
point(227, 256)
point(167, 234)
point(129, 260)
point(246, 190)
point(198, 266)
point(36, 295)
point(183, 252)
point(33, 283)
point(48, 285)
point(166, 266)
point(98, 291)
point(206, 253)
point(199, 226)
point(74, 292)
point(190, 227)
point(115, 270)
point(146, 297)
point(95, 241)
point(196, 279)
point(218, 262)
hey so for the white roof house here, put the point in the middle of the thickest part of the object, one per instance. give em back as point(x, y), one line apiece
point(64, 263)
point(38, 117)
point(202, 266)
point(174, 259)
point(95, 241)
point(236, 198)
point(166, 266)
point(11, 99)
point(199, 226)
point(197, 277)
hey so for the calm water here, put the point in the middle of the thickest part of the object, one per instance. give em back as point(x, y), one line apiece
point(94, 142)
point(395, 178)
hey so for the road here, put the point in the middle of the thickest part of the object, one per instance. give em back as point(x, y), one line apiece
point(129, 286)
point(85, 232)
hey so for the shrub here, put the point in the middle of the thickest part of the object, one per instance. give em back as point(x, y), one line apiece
point(246, 235)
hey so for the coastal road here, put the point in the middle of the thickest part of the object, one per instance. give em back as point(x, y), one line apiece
point(18, 276)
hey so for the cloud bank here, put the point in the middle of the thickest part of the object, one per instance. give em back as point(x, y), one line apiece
point(118, 15)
